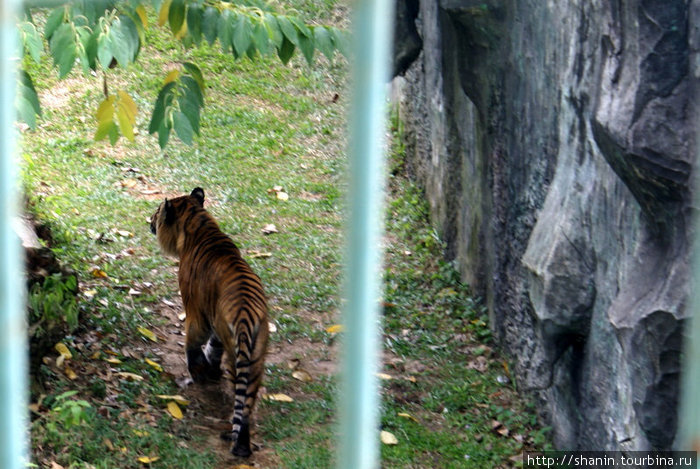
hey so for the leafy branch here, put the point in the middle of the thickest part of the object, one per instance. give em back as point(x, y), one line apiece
point(103, 34)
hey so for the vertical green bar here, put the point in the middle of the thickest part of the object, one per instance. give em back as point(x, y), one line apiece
point(359, 405)
point(12, 322)
point(689, 412)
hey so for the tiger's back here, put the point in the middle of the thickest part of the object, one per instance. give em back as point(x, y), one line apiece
point(224, 303)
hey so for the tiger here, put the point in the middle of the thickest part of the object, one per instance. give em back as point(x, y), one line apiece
point(225, 306)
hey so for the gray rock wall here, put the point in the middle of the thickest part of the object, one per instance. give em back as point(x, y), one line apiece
point(555, 142)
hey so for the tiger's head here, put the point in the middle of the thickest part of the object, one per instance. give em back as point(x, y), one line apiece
point(166, 222)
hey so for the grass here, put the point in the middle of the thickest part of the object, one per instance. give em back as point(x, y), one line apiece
point(264, 125)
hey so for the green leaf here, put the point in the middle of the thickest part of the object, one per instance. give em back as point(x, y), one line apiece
point(124, 40)
point(261, 38)
point(195, 73)
point(301, 27)
point(163, 135)
point(25, 112)
point(104, 50)
point(84, 37)
point(63, 49)
point(273, 30)
point(194, 22)
point(341, 41)
point(90, 47)
point(28, 91)
point(191, 86)
point(107, 129)
point(176, 15)
point(210, 20)
point(306, 45)
point(290, 32)
point(224, 30)
point(285, 51)
point(324, 43)
point(31, 40)
point(242, 34)
point(183, 128)
point(55, 19)
point(164, 100)
point(190, 108)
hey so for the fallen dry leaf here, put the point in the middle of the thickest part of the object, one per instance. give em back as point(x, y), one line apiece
point(302, 376)
point(108, 443)
point(176, 397)
point(129, 376)
point(63, 350)
point(269, 229)
point(258, 254)
point(155, 365)
point(134, 292)
point(113, 361)
point(384, 376)
point(407, 416)
point(125, 234)
point(148, 459)
point(335, 328)
point(70, 374)
point(174, 410)
point(271, 326)
point(279, 397)
point(147, 333)
point(55, 465)
point(98, 273)
point(388, 438)
point(242, 466)
point(283, 196)
point(182, 316)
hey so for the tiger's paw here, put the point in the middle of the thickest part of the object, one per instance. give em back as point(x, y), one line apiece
point(227, 436)
point(241, 451)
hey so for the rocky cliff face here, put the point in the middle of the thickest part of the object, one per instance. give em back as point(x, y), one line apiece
point(556, 145)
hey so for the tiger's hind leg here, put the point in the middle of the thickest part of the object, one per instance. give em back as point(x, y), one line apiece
point(198, 363)
point(213, 352)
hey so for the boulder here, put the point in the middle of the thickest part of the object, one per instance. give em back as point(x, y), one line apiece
point(556, 143)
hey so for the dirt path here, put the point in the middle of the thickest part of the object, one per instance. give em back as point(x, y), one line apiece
point(211, 405)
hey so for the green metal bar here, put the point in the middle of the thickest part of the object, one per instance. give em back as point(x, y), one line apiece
point(13, 348)
point(359, 424)
point(689, 412)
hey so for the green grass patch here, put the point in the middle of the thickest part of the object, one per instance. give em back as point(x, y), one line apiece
point(263, 125)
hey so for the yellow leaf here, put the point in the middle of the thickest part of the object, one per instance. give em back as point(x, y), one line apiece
point(302, 376)
point(163, 14)
point(129, 376)
point(407, 416)
point(278, 397)
point(105, 111)
point(129, 106)
point(108, 443)
point(90, 293)
point(172, 76)
point(182, 316)
point(411, 379)
point(63, 350)
point(125, 234)
point(113, 361)
point(283, 196)
point(174, 410)
point(388, 438)
point(98, 273)
point(177, 398)
point(384, 376)
point(148, 459)
point(70, 374)
point(154, 364)
point(148, 334)
point(335, 328)
point(242, 466)
point(141, 433)
point(141, 11)
point(60, 360)
point(183, 30)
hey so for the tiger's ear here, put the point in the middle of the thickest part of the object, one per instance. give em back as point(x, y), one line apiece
point(169, 212)
point(198, 194)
